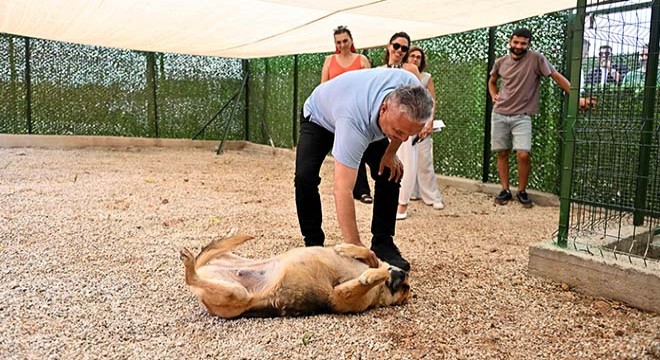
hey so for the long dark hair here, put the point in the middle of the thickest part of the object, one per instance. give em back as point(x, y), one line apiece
point(341, 29)
point(401, 34)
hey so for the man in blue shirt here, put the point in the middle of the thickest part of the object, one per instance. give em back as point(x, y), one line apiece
point(353, 115)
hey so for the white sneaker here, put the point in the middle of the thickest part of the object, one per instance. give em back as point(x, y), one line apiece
point(439, 205)
point(401, 216)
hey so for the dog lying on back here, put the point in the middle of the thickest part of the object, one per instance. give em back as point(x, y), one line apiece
point(302, 281)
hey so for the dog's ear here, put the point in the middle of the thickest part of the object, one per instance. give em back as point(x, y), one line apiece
point(397, 278)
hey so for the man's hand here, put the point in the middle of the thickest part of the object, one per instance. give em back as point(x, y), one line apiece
point(394, 164)
point(371, 258)
point(588, 103)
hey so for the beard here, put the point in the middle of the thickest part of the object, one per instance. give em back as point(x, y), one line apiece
point(518, 52)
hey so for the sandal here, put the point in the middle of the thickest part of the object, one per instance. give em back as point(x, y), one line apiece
point(366, 199)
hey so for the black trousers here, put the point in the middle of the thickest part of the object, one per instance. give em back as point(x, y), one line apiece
point(314, 144)
point(361, 183)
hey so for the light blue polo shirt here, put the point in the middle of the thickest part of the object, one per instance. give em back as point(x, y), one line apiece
point(348, 106)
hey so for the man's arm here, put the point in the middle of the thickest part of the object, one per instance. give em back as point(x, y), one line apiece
point(492, 87)
point(561, 81)
point(343, 191)
point(392, 148)
point(390, 160)
point(344, 183)
point(564, 84)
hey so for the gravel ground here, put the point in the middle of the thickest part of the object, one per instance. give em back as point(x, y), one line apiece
point(90, 268)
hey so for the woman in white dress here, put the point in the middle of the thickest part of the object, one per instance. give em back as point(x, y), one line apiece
point(419, 180)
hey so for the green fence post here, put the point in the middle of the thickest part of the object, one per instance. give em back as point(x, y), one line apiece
point(489, 107)
point(648, 111)
point(28, 87)
point(576, 35)
point(572, 20)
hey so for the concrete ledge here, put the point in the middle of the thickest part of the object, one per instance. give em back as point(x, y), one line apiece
point(269, 150)
point(597, 275)
point(76, 142)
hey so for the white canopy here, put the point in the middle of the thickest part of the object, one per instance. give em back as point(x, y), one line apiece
point(254, 28)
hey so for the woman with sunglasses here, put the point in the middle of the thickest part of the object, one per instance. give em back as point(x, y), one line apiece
point(346, 59)
point(396, 56)
point(396, 53)
point(419, 175)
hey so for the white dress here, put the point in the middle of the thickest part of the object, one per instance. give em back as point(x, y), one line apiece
point(419, 180)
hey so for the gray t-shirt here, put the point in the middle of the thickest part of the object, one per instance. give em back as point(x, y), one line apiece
point(349, 105)
point(521, 79)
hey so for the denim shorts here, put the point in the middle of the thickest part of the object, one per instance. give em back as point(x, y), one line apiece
point(511, 132)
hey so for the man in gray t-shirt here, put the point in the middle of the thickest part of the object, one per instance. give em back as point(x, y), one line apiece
point(514, 103)
point(353, 115)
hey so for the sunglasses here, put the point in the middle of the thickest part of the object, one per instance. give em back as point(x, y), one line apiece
point(397, 46)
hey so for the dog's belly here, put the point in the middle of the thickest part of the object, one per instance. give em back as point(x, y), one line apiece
point(253, 278)
point(278, 291)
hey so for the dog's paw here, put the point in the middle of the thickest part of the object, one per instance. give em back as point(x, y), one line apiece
point(231, 232)
point(372, 276)
point(186, 256)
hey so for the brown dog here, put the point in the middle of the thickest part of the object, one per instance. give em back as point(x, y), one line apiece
point(299, 282)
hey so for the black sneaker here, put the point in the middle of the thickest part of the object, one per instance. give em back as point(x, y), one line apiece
point(503, 197)
point(524, 199)
point(389, 253)
point(317, 240)
point(309, 243)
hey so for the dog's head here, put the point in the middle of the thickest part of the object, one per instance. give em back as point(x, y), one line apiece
point(398, 286)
